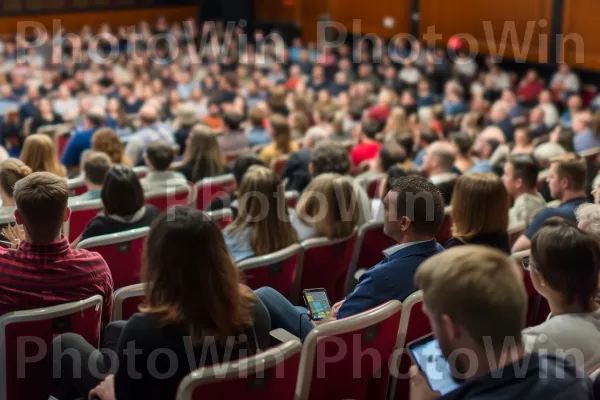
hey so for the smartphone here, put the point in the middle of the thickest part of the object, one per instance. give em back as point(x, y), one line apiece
point(426, 353)
point(317, 302)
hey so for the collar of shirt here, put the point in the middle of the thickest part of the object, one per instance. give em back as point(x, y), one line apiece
point(390, 251)
point(59, 248)
point(159, 175)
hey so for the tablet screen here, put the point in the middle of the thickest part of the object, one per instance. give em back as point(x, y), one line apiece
point(433, 364)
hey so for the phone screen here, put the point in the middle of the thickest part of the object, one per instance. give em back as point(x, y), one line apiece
point(317, 302)
point(428, 355)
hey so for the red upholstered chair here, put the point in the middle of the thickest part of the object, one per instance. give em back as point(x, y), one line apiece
point(276, 270)
point(326, 263)
point(122, 252)
point(350, 358)
point(126, 301)
point(62, 138)
point(173, 196)
point(370, 244)
point(279, 163)
point(209, 189)
point(538, 308)
point(414, 324)
point(372, 183)
point(76, 186)
point(25, 338)
point(270, 375)
point(445, 231)
point(291, 198)
point(81, 214)
point(222, 217)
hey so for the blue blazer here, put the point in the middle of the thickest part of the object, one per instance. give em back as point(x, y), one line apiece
point(391, 279)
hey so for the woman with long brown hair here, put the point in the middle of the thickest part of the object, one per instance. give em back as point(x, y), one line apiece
point(203, 157)
point(107, 141)
point(480, 207)
point(195, 305)
point(262, 225)
point(40, 154)
point(282, 140)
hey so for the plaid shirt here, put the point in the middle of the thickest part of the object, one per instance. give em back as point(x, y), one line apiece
point(35, 276)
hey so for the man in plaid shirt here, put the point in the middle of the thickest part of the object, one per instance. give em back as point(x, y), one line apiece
point(41, 269)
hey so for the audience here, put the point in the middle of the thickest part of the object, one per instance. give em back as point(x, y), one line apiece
point(233, 139)
point(40, 155)
point(41, 256)
point(480, 208)
point(95, 168)
point(190, 303)
point(81, 140)
point(203, 157)
point(186, 119)
point(124, 209)
point(438, 164)
point(367, 147)
point(297, 169)
point(462, 143)
point(107, 141)
point(520, 180)
point(11, 171)
point(257, 134)
point(262, 225)
point(563, 267)
point(44, 116)
point(414, 213)
point(150, 131)
point(282, 143)
point(158, 159)
point(566, 181)
point(390, 154)
point(475, 301)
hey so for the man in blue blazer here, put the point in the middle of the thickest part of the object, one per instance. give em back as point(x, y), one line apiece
point(414, 210)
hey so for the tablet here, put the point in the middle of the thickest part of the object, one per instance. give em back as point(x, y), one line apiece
point(427, 354)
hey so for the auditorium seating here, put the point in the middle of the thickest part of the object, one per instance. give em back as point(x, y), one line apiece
point(127, 300)
point(81, 215)
point(208, 189)
point(222, 217)
point(173, 196)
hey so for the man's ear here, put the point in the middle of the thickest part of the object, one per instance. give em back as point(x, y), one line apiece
point(67, 214)
point(18, 217)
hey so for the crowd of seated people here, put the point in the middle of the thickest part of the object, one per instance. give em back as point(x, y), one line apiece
point(464, 145)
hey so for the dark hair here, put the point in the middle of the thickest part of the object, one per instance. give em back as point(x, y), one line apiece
point(95, 119)
point(567, 258)
point(356, 112)
point(393, 174)
point(242, 164)
point(405, 140)
point(41, 199)
point(160, 155)
point(493, 143)
point(417, 199)
point(122, 192)
point(370, 128)
point(330, 157)
point(96, 166)
point(462, 141)
point(525, 167)
point(202, 294)
point(565, 139)
point(214, 102)
point(428, 136)
point(232, 120)
point(390, 154)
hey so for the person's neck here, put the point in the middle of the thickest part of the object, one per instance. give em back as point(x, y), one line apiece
point(520, 192)
point(56, 239)
point(568, 196)
point(501, 358)
point(406, 239)
point(558, 306)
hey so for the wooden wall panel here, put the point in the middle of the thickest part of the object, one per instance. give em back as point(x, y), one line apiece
point(74, 21)
point(370, 15)
point(468, 16)
point(581, 22)
point(275, 10)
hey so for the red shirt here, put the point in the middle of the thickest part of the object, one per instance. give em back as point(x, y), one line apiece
point(35, 276)
point(364, 152)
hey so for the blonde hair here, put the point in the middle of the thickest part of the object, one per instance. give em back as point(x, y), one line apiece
point(39, 153)
point(271, 229)
point(107, 141)
point(11, 171)
point(204, 153)
point(397, 121)
point(572, 167)
point(330, 205)
point(479, 288)
point(479, 206)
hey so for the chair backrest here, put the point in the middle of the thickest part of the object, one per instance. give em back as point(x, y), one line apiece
point(537, 306)
point(126, 301)
point(61, 139)
point(291, 198)
point(370, 244)
point(445, 231)
point(372, 183)
point(270, 375)
point(76, 186)
point(81, 214)
point(141, 171)
point(209, 189)
point(222, 217)
point(326, 263)
point(276, 270)
point(122, 252)
point(25, 337)
point(172, 196)
point(413, 325)
point(349, 358)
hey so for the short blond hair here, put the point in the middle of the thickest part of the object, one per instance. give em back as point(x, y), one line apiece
point(572, 167)
point(479, 288)
point(479, 206)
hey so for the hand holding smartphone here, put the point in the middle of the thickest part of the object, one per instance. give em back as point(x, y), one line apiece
point(427, 355)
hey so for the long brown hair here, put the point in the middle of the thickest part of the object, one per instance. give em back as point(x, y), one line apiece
point(107, 141)
point(271, 228)
point(40, 155)
point(204, 153)
point(281, 133)
point(203, 292)
point(11, 171)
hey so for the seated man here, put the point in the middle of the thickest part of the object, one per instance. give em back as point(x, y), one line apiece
point(566, 180)
point(520, 179)
point(95, 166)
point(42, 269)
point(475, 300)
point(438, 164)
point(414, 214)
point(390, 154)
point(159, 157)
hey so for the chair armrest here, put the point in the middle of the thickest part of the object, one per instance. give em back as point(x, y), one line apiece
point(283, 336)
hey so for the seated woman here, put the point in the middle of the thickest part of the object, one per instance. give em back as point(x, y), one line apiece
point(45, 116)
point(39, 153)
point(282, 143)
point(327, 208)
point(124, 209)
point(11, 171)
point(107, 141)
point(564, 269)
point(203, 157)
point(257, 230)
point(480, 207)
point(195, 306)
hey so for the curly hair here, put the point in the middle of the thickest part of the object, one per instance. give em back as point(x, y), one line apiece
point(107, 141)
point(330, 157)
